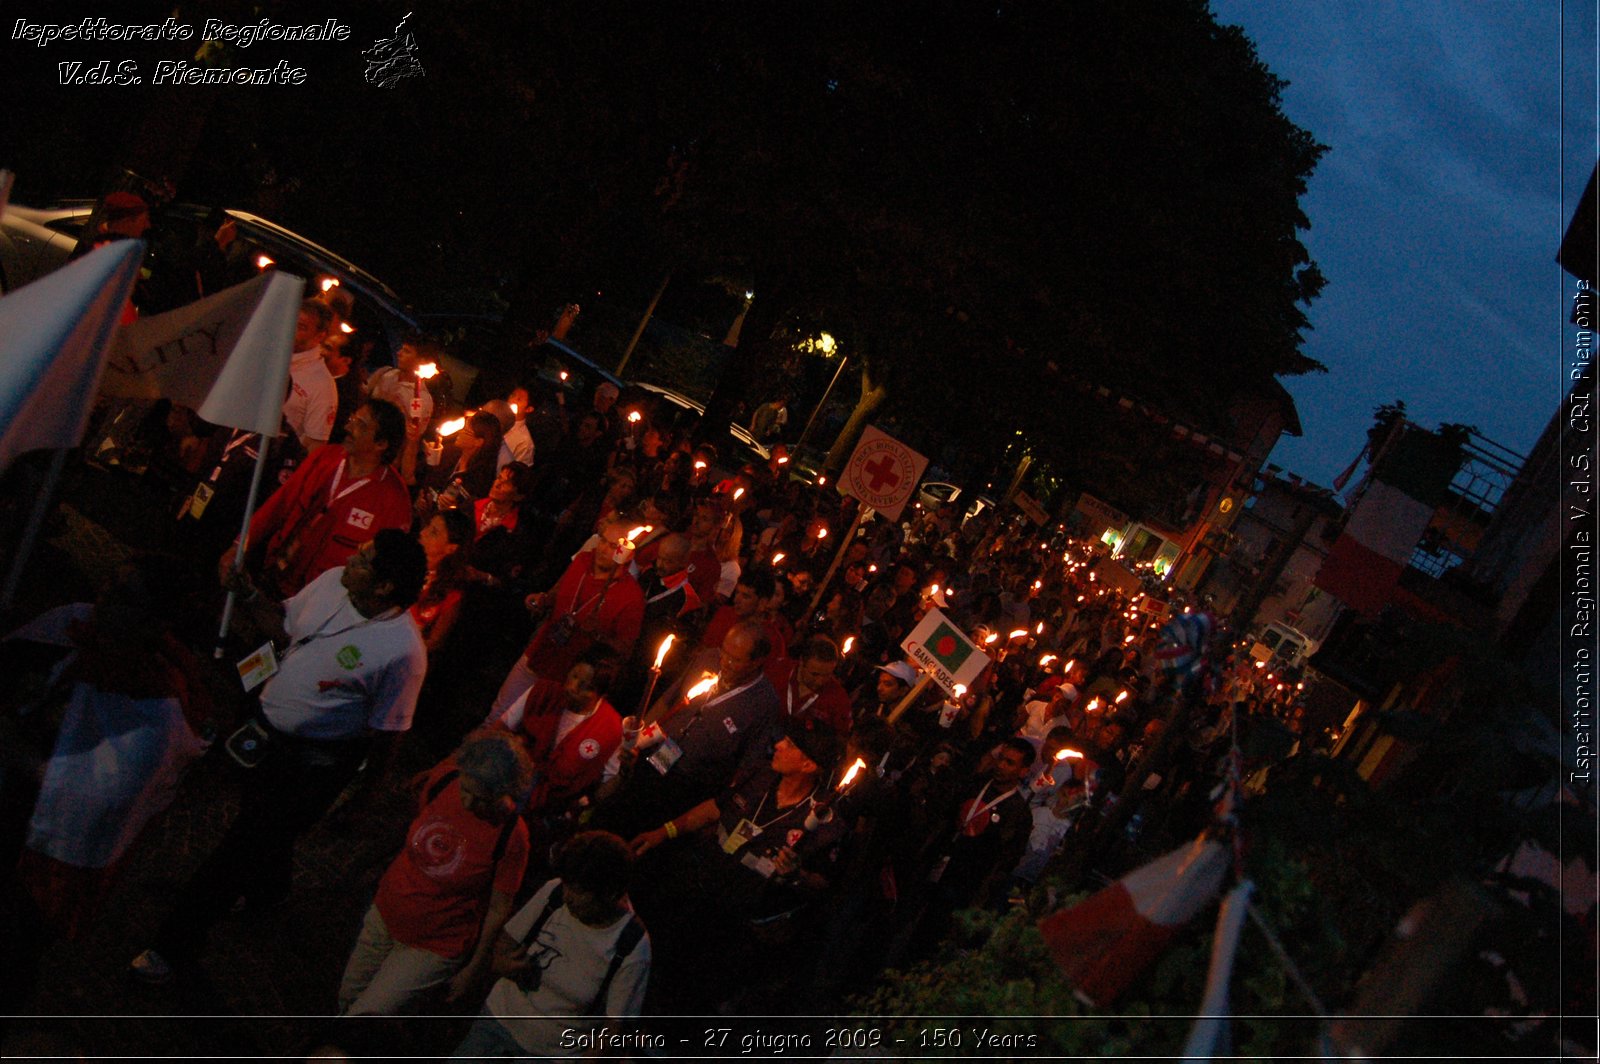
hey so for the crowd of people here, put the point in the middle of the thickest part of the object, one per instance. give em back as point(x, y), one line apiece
point(680, 761)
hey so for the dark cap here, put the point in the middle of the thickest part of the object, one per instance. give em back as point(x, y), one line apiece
point(817, 741)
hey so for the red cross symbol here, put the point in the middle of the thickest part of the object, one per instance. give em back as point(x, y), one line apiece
point(880, 473)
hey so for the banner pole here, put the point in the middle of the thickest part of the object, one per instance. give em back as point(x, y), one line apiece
point(30, 536)
point(844, 545)
point(911, 696)
point(243, 543)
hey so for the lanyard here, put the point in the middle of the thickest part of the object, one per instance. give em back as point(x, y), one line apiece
point(789, 690)
point(724, 696)
point(699, 714)
point(982, 809)
point(318, 633)
point(334, 494)
point(782, 812)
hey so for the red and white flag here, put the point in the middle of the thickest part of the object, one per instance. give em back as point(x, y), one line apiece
point(54, 335)
point(1107, 940)
point(1407, 484)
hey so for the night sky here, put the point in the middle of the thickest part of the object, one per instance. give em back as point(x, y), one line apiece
point(1452, 171)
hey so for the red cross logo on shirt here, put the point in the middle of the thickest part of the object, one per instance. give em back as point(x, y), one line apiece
point(880, 473)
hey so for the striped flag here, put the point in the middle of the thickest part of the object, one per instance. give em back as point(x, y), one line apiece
point(1410, 480)
point(1107, 940)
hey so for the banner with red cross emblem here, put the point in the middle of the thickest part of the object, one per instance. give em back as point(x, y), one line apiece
point(883, 472)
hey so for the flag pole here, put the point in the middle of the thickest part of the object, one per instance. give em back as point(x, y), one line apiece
point(30, 536)
point(844, 545)
point(243, 542)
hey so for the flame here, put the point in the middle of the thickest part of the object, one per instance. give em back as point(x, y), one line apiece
point(1299, 687)
point(960, 690)
point(329, 283)
point(737, 492)
point(821, 481)
point(666, 645)
point(1068, 666)
point(1017, 633)
point(634, 416)
point(1080, 598)
point(1129, 639)
point(699, 464)
point(933, 590)
point(450, 428)
point(783, 459)
point(514, 409)
point(1066, 753)
point(1094, 704)
point(429, 370)
point(346, 328)
point(707, 682)
point(1037, 584)
point(778, 557)
point(1261, 664)
point(1122, 696)
point(849, 643)
point(1045, 659)
point(822, 533)
point(851, 774)
point(1039, 629)
point(872, 568)
point(989, 639)
point(563, 374)
point(263, 261)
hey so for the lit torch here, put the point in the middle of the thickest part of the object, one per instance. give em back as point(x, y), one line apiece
point(777, 559)
point(851, 773)
point(450, 428)
point(655, 672)
point(262, 262)
point(429, 370)
point(707, 682)
point(849, 644)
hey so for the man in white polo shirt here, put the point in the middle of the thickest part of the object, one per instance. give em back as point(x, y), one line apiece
point(313, 399)
point(352, 664)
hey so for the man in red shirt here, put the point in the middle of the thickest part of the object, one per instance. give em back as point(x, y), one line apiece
point(569, 730)
point(338, 499)
point(596, 601)
point(752, 596)
point(807, 688)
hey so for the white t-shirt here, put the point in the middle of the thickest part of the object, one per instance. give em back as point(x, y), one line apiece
point(518, 441)
point(313, 396)
point(352, 673)
point(728, 578)
point(411, 396)
point(575, 958)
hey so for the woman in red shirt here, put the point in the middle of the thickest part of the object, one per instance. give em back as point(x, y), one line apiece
point(442, 903)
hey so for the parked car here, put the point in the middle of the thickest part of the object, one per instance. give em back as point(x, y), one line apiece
point(36, 240)
point(683, 405)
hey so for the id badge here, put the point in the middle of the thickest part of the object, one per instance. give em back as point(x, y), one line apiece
point(200, 499)
point(742, 833)
point(664, 756)
point(761, 866)
point(259, 667)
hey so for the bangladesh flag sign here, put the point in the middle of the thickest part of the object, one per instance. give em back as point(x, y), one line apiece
point(944, 651)
point(948, 647)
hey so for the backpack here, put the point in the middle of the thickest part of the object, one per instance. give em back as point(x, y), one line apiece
point(631, 935)
point(504, 838)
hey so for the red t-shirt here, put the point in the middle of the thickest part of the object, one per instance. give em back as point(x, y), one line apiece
point(704, 573)
point(436, 892)
point(322, 515)
point(831, 705)
point(598, 609)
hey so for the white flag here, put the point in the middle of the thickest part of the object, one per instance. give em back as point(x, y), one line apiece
point(54, 335)
point(226, 356)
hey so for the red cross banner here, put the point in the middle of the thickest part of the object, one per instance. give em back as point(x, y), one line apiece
point(883, 473)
